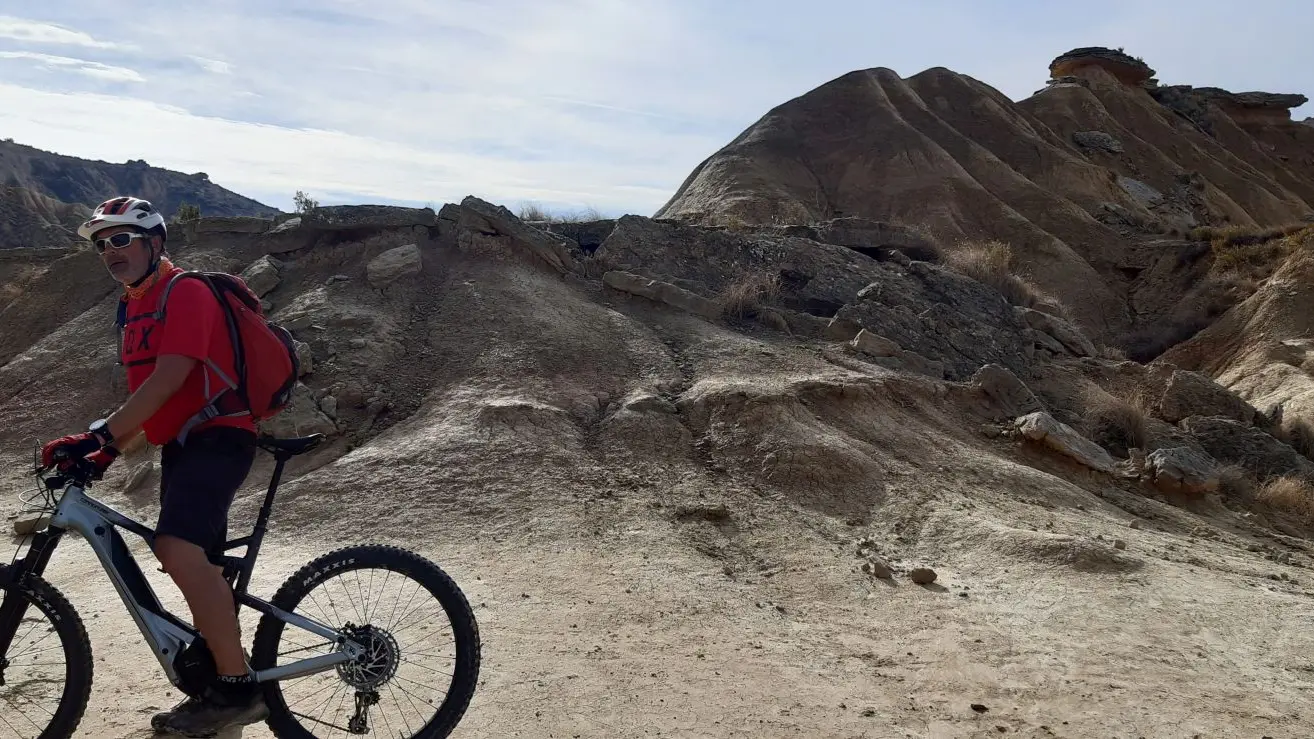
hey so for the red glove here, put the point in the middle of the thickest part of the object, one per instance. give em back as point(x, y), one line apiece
point(102, 459)
point(77, 446)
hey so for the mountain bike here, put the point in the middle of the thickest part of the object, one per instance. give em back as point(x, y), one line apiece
point(361, 655)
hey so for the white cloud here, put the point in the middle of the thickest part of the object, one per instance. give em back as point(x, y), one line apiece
point(36, 32)
point(78, 66)
point(214, 66)
point(254, 158)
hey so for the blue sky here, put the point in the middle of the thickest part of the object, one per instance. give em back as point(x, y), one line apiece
point(566, 103)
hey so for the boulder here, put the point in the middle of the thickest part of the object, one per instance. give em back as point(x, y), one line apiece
point(1008, 392)
point(394, 264)
point(1193, 394)
point(263, 275)
point(1060, 437)
point(480, 225)
point(341, 217)
point(31, 523)
point(1065, 333)
point(662, 292)
point(1233, 442)
point(875, 345)
point(305, 358)
point(138, 475)
point(301, 417)
point(290, 224)
point(1182, 469)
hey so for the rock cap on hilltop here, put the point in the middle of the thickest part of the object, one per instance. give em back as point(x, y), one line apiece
point(1126, 68)
point(1271, 100)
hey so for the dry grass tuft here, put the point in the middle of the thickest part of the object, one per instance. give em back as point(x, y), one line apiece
point(991, 263)
point(1289, 494)
point(1254, 252)
point(748, 295)
point(533, 212)
point(1236, 483)
point(1117, 424)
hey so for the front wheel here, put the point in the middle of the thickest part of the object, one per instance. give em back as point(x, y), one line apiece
point(45, 674)
point(421, 660)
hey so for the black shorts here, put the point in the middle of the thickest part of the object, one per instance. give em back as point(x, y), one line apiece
point(198, 482)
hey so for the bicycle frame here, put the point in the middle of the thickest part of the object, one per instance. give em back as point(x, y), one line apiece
point(166, 634)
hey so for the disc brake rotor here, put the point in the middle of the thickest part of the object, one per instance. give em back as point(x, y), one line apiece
point(378, 661)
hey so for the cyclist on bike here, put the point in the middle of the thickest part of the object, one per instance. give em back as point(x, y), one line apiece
point(171, 367)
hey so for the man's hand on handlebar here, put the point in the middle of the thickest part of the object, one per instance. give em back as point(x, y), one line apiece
point(82, 451)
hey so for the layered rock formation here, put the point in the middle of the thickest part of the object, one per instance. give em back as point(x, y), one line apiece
point(1087, 179)
point(74, 180)
point(1128, 69)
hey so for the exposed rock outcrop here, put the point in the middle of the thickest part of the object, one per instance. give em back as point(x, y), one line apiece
point(1182, 469)
point(393, 265)
point(1128, 69)
point(1043, 428)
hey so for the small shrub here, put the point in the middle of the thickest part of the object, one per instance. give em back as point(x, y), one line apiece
point(1289, 494)
point(1117, 424)
point(535, 212)
point(187, 212)
point(991, 263)
point(303, 202)
point(745, 297)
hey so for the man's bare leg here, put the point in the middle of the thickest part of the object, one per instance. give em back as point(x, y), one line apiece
point(209, 598)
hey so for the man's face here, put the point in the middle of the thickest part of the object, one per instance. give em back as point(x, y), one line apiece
point(127, 264)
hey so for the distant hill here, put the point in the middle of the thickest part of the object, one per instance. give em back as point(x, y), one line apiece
point(29, 218)
point(87, 181)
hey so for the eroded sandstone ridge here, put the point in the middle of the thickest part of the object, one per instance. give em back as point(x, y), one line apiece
point(1095, 181)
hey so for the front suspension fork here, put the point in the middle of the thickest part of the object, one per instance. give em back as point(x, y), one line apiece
point(13, 580)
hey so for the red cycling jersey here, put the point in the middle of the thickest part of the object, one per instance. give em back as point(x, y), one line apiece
point(194, 326)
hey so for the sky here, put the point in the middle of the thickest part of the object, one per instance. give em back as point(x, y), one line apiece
point(567, 104)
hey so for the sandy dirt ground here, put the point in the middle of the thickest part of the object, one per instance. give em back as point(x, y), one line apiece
point(602, 621)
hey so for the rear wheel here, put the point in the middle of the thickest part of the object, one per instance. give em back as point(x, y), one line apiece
point(45, 674)
point(421, 660)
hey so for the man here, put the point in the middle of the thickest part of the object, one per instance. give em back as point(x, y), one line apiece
point(174, 368)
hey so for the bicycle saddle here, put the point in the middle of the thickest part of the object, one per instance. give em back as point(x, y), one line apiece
point(290, 446)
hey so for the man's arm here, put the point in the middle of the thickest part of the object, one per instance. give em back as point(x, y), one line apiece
point(171, 371)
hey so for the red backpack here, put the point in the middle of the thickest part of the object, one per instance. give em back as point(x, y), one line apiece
point(264, 353)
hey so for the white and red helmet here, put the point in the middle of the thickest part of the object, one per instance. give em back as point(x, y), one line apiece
point(123, 211)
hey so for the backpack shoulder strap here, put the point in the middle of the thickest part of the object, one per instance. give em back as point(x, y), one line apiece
point(164, 296)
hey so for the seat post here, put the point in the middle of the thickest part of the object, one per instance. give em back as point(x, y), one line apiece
point(258, 534)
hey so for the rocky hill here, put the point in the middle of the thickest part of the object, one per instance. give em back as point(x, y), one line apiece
point(1095, 181)
point(86, 182)
point(30, 219)
point(776, 480)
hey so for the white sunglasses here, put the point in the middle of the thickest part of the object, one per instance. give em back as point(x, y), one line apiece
point(118, 241)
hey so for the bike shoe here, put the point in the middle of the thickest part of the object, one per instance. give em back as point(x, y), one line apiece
point(212, 715)
point(188, 704)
